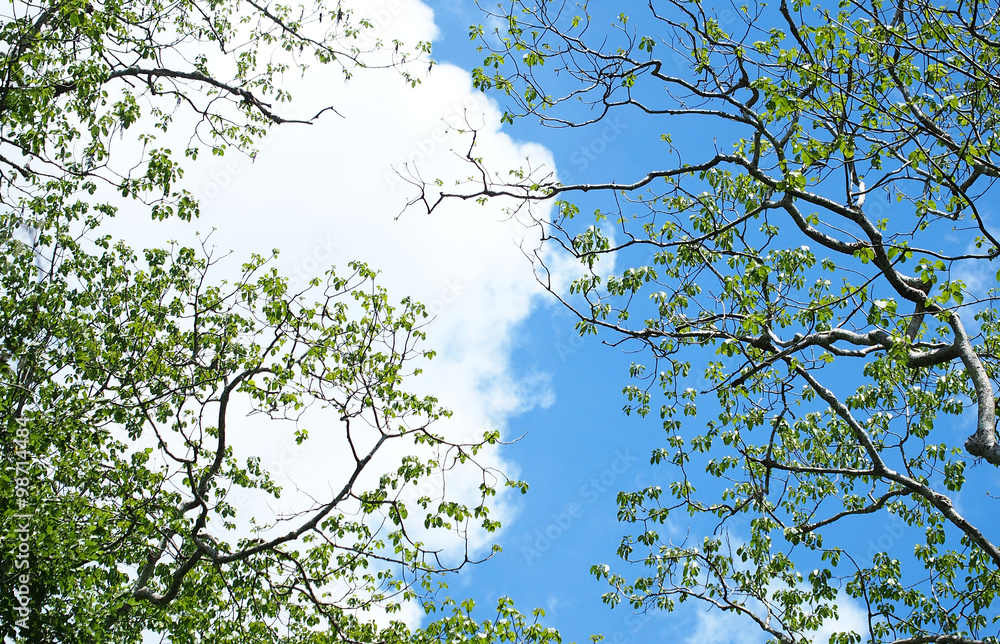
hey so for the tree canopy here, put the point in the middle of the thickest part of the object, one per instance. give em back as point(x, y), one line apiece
point(78, 77)
point(131, 378)
point(807, 271)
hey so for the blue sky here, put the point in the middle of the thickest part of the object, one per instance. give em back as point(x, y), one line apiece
point(582, 450)
point(583, 437)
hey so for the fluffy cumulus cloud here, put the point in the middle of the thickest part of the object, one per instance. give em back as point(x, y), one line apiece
point(715, 626)
point(712, 625)
point(329, 192)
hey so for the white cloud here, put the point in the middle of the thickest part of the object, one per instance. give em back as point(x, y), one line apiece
point(850, 617)
point(716, 626)
point(327, 193)
point(713, 625)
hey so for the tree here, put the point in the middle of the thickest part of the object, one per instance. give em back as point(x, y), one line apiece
point(130, 377)
point(810, 285)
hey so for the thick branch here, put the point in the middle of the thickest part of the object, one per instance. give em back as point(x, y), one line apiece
point(943, 504)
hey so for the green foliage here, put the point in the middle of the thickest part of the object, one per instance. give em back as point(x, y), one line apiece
point(508, 626)
point(77, 76)
point(125, 376)
point(807, 288)
point(132, 379)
